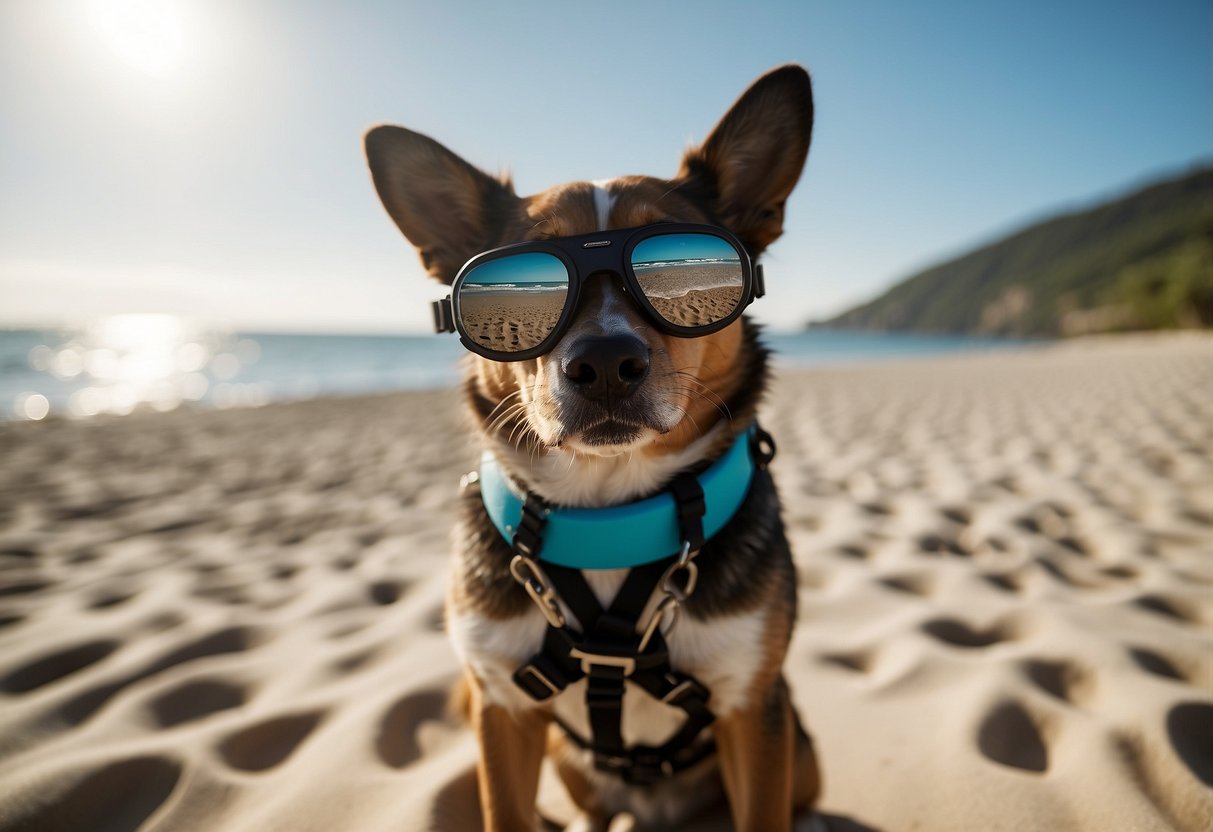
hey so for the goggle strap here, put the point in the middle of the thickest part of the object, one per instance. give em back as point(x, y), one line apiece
point(760, 283)
point(444, 315)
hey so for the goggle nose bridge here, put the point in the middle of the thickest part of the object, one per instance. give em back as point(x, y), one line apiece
point(615, 275)
point(600, 255)
point(617, 279)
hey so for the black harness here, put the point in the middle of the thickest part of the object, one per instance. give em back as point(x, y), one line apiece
point(611, 648)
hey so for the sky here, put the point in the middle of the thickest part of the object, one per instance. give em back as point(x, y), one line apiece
point(203, 157)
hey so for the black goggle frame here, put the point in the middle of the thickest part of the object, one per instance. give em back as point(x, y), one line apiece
point(586, 255)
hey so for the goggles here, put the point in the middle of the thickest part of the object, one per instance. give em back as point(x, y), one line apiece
point(515, 302)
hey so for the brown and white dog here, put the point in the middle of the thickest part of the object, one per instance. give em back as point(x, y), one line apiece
point(576, 447)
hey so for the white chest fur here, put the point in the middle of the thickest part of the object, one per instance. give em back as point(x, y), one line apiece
point(723, 653)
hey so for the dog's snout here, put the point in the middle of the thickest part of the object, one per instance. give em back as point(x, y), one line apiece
point(607, 366)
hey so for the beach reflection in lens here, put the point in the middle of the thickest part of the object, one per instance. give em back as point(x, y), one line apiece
point(690, 279)
point(512, 303)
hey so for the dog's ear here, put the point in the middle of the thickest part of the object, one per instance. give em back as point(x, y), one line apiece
point(747, 167)
point(446, 207)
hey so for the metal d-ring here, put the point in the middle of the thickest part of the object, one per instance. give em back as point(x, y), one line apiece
point(685, 563)
point(675, 594)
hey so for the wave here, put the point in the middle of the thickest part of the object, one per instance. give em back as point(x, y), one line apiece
point(513, 287)
point(684, 261)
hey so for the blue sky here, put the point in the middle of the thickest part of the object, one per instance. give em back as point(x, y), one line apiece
point(531, 267)
point(214, 169)
point(679, 246)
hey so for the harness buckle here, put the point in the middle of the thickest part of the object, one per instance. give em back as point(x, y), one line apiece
point(523, 678)
point(589, 659)
point(684, 689)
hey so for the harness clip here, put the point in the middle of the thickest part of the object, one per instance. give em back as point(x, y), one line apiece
point(536, 584)
point(668, 604)
point(686, 565)
point(589, 659)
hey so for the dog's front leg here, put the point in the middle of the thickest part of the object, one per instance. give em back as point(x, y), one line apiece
point(756, 745)
point(511, 751)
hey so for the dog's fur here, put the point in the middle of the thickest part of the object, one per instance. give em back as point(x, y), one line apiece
point(575, 450)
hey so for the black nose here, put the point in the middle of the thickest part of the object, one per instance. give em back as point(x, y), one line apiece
point(608, 366)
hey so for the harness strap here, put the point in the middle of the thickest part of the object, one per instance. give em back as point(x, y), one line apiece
point(629, 602)
point(688, 495)
point(645, 764)
point(607, 655)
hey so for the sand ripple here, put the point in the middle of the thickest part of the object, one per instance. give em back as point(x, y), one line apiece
point(232, 620)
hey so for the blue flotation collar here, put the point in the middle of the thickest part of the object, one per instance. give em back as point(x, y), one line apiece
point(631, 534)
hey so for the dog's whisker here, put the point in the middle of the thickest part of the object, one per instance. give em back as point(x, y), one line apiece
point(712, 399)
point(502, 403)
point(518, 431)
point(493, 421)
point(683, 374)
point(509, 413)
point(687, 414)
point(702, 396)
point(512, 410)
point(514, 425)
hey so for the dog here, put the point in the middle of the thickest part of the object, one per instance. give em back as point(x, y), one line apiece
point(615, 406)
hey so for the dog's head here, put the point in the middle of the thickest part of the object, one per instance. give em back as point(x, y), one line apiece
point(613, 385)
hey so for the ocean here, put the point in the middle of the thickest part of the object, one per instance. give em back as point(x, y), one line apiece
point(132, 362)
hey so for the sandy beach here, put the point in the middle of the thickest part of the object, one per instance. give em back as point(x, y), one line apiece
point(232, 620)
point(511, 320)
point(692, 295)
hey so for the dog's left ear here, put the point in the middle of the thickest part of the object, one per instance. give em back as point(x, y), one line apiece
point(750, 163)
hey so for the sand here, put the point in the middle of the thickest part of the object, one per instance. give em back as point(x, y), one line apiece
point(692, 295)
point(232, 620)
point(511, 321)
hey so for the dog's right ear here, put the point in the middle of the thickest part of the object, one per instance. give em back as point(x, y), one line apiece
point(750, 162)
point(446, 207)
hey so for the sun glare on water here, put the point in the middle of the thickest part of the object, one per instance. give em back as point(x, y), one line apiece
point(148, 35)
point(139, 361)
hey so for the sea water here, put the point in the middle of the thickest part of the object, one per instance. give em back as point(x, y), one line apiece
point(137, 362)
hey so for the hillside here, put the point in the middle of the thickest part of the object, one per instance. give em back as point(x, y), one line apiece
point(1144, 261)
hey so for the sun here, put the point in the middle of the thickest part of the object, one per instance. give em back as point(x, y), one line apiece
point(149, 35)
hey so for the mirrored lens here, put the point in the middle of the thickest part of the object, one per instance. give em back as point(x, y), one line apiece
point(512, 303)
point(690, 279)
